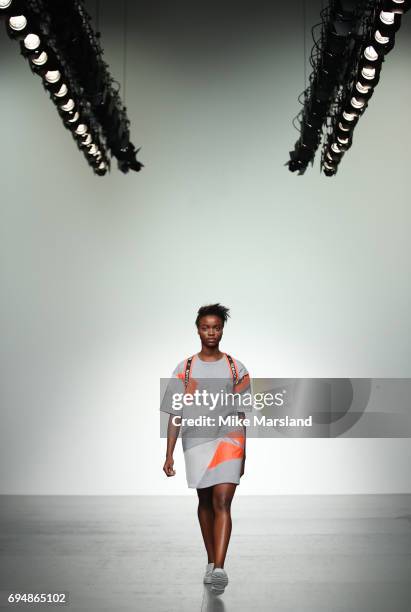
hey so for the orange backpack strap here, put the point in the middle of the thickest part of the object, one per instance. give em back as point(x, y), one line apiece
point(187, 370)
point(234, 371)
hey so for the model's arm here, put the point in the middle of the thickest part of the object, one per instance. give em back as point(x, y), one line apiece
point(172, 435)
point(242, 416)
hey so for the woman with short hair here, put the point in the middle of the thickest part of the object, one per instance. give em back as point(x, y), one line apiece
point(214, 462)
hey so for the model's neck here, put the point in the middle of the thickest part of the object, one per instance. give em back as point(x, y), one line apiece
point(210, 354)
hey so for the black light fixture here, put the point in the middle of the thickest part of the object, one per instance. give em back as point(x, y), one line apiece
point(356, 37)
point(57, 40)
point(378, 40)
point(339, 26)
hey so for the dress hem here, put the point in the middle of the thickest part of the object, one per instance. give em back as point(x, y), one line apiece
point(237, 482)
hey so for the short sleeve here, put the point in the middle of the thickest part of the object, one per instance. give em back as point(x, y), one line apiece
point(243, 388)
point(172, 397)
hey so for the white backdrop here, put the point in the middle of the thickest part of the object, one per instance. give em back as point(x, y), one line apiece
point(102, 277)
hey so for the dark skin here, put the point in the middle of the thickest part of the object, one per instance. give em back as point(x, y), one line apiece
point(214, 503)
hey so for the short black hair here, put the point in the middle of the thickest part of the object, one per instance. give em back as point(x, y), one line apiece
point(213, 309)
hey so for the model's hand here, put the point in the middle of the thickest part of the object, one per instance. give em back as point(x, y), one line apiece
point(168, 467)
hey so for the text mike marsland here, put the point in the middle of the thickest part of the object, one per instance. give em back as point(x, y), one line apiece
point(237, 421)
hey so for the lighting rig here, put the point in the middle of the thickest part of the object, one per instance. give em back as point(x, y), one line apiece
point(378, 39)
point(61, 47)
point(346, 62)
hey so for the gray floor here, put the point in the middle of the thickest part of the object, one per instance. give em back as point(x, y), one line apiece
point(287, 553)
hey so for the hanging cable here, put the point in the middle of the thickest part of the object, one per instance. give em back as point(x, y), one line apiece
point(124, 49)
point(98, 16)
point(305, 44)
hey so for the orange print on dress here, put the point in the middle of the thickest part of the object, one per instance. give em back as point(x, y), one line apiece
point(224, 452)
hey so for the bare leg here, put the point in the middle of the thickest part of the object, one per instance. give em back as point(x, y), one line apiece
point(222, 496)
point(206, 519)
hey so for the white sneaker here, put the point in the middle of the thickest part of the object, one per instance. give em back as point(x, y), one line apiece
point(219, 580)
point(208, 572)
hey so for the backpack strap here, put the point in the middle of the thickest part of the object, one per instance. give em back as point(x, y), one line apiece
point(231, 363)
point(233, 367)
point(187, 370)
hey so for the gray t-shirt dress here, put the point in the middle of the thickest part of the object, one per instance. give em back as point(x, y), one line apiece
point(212, 454)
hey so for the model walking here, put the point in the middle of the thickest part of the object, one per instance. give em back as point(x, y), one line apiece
point(214, 463)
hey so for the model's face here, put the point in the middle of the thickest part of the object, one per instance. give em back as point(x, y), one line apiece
point(210, 330)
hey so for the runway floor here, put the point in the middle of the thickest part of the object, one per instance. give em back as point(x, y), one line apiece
point(287, 553)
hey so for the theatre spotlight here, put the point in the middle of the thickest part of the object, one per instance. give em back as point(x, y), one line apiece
point(68, 106)
point(52, 76)
point(40, 59)
point(62, 91)
point(362, 89)
point(31, 42)
point(382, 43)
point(371, 54)
point(17, 23)
point(81, 129)
point(16, 26)
point(369, 76)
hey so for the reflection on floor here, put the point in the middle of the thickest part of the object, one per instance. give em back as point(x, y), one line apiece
point(287, 553)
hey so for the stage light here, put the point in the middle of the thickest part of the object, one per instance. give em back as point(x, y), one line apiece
point(18, 23)
point(5, 4)
point(81, 129)
point(336, 148)
point(387, 17)
point(368, 73)
point(101, 169)
point(40, 60)
point(31, 42)
point(62, 91)
point(52, 76)
point(343, 127)
point(88, 140)
point(68, 106)
point(74, 118)
point(349, 116)
point(382, 40)
point(363, 89)
point(371, 54)
point(357, 103)
point(93, 149)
